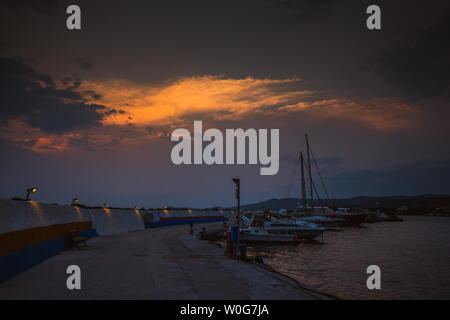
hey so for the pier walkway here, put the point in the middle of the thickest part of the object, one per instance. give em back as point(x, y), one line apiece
point(161, 263)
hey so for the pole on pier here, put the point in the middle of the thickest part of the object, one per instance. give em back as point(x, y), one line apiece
point(303, 182)
point(237, 182)
point(311, 193)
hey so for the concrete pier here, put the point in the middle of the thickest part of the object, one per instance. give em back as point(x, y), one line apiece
point(162, 263)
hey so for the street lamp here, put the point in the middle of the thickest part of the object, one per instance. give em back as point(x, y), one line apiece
point(30, 191)
point(237, 182)
point(75, 201)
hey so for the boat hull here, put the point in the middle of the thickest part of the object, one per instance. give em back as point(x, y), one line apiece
point(246, 237)
point(329, 223)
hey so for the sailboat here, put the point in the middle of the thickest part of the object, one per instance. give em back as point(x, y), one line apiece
point(323, 216)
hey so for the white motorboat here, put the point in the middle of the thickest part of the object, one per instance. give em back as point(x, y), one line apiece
point(259, 228)
point(326, 222)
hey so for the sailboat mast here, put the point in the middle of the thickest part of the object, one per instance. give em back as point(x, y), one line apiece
point(311, 193)
point(303, 181)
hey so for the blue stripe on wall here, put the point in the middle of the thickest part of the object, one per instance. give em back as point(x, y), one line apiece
point(179, 222)
point(18, 262)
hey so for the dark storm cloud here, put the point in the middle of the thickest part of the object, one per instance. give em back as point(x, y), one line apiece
point(22, 96)
point(71, 83)
point(55, 117)
point(421, 67)
point(93, 94)
point(115, 111)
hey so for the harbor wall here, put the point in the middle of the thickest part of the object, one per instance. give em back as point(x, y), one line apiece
point(167, 217)
point(31, 232)
point(113, 221)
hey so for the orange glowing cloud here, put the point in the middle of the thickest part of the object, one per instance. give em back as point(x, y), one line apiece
point(135, 112)
point(381, 114)
point(220, 98)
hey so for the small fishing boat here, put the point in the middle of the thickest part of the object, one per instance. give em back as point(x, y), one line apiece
point(326, 222)
point(261, 235)
point(257, 227)
point(349, 218)
point(375, 216)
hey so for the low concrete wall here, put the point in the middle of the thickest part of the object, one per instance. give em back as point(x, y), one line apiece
point(167, 217)
point(112, 221)
point(32, 232)
point(21, 215)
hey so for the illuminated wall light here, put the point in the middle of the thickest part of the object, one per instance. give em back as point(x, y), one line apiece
point(31, 191)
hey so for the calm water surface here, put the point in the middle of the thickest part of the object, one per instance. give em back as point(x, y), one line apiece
point(414, 257)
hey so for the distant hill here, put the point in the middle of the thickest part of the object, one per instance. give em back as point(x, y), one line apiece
point(419, 204)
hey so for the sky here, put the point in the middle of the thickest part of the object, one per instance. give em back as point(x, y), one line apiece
point(88, 113)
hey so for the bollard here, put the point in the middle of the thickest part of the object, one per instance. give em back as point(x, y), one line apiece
point(234, 234)
point(229, 246)
point(243, 251)
point(234, 240)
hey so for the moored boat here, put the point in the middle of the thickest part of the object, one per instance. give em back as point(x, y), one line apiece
point(259, 228)
point(326, 222)
point(350, 218)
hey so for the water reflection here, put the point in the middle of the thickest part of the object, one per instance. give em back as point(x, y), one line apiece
point(413, 255)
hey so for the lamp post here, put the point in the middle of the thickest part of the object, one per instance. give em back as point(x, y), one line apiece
point(237, 182)
point(30, 191)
